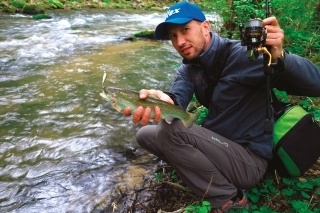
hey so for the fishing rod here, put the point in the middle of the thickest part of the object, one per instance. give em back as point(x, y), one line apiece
point(267, 9)
point(254, 36)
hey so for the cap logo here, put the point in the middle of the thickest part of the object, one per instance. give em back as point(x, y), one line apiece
point(171, 12)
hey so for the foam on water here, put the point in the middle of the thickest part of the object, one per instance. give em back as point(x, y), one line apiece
point(43, 41)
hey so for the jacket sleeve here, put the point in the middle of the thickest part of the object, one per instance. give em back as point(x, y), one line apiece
point(182, 86)
point(301, 77)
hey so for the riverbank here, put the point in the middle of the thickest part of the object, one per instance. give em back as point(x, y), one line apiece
point(19, 6)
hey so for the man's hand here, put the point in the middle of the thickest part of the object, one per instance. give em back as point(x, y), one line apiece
point(275, 37)
point(143, 115)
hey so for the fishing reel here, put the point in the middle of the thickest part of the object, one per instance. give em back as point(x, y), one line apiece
point(254, 36)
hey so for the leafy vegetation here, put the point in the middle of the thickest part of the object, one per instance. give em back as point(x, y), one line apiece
point(272, 195)
point(310, 104)
point(302, 31)
point(297, 194)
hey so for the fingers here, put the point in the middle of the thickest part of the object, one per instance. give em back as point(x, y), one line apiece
point(143, 94)
point(275, 37)
point(270, 21)
point(156, 94)
point(137, 115)
point(157, 114)
point(166, 98)
point(143, 115)
point(127, 111)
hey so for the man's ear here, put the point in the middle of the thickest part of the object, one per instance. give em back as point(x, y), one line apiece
point(206, 26)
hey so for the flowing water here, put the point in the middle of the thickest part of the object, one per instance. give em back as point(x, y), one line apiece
point(63, 148)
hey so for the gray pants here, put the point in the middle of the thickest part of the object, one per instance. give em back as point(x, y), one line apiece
point(199, 156)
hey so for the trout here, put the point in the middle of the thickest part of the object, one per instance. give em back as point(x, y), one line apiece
point(122, 98)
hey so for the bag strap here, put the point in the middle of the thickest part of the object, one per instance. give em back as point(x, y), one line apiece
point(213, 75)
point(278, 107)
point(268, 125)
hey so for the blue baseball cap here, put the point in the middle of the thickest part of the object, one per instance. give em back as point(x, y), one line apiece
point(180, 13)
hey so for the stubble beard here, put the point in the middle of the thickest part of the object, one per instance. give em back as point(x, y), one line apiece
point(197, 50)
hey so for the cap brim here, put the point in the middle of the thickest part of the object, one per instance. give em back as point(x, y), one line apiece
point(161, 32)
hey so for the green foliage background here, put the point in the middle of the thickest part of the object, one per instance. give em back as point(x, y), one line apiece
point(300, 21)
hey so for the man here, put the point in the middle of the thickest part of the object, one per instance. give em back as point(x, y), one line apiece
point(230, 151)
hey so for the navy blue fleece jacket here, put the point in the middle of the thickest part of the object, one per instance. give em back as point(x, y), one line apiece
point(238, 105)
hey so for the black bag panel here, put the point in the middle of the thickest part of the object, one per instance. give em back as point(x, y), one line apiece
point(276, 164)
point(301, 143)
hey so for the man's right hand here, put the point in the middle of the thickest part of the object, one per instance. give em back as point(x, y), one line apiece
point(143, 115)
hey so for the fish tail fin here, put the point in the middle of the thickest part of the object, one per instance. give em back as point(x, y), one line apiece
point(190, 120)
point(117, 107)
point(103, 95)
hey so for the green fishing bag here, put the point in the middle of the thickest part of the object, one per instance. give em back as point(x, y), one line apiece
point(296, 140)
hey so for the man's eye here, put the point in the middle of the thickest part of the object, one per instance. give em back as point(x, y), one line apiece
point(185, 30)
point(172, 36)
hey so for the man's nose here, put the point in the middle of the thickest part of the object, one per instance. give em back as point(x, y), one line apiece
point(180, 39)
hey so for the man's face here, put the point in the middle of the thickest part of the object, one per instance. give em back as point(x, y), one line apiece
point(190, 39)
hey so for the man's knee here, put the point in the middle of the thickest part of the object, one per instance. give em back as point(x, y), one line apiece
point(166, 132)
point(164, 128)
point(143, 135)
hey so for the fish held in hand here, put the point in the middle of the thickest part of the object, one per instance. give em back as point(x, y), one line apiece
point(122, 98)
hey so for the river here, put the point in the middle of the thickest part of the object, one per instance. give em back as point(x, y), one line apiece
point(63, 148)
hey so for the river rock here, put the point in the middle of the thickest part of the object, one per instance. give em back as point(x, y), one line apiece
point(32, 9)
point(41, 16)
point(149, 34)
